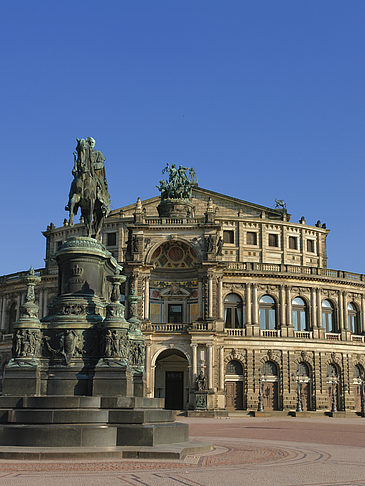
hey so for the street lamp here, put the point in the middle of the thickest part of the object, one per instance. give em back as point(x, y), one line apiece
point(334, 382)
point(260, 406)
point(362, 393)
point(298, 380)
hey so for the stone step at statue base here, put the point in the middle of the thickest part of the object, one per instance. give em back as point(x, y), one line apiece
point(170, 451)
point(83, 421)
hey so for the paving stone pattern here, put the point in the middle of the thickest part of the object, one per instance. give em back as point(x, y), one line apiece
point(248, 451)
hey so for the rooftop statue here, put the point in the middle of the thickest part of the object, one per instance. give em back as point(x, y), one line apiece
point(179, 184)
point(89, 188)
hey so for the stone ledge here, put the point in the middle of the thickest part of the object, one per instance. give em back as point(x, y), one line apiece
point(173, 451)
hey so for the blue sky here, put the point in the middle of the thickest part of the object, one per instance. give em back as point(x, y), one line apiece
point(264, 98)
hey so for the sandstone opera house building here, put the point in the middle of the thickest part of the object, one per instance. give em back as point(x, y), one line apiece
point(234, 290)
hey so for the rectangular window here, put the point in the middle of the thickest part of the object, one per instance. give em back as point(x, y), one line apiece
point(175, 313)
point(310, 246)
point(293, 242)
point(228, 236)
point(273, 239)
point(251, 238)
point(111, 239)
point(59, 244)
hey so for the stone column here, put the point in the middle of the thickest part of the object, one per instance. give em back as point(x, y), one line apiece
point(152, 381)
point(255, 308)
point(319, 314)
point(45, 302)
point(17, 306)
point(362, 310)
point(221, 367)
point(313, 310)
point(3, 312)
point(340, 311)
point(195, 361)
point(40, 304)
point(289, 323)
point(220, 298)
point(283, 321)
point(210, 366)
point(148, 368)
point(210, 296)
point(345, 312)
point(200, 298)
point(248, 305)
point(147, 297)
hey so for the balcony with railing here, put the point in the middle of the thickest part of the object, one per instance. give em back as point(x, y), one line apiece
point(235, 332)
point(333, 336)
point(303, 334)
point(253, 267)
point(270, 332)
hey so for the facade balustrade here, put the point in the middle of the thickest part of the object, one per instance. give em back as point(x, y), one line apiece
point(269, 332)
point(303, 334)
point(331, 336)
point(297, 269)
point(235, 332)
point(357, 339)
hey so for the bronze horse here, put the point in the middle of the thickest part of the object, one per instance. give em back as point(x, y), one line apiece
point(86, 191)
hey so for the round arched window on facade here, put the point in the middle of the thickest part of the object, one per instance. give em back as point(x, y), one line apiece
point(299, 314)
point(234, 367)
point(267, 312)
point(270, 369)
point(328, 317)
point(353, 319)
point(233, 312)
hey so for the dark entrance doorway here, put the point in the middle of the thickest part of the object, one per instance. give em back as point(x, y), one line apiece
point(174, 383)
point(234, 395)
point(270, 395)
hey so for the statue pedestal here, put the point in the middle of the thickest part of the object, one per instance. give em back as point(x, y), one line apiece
point(175, 208)
point(201, 400)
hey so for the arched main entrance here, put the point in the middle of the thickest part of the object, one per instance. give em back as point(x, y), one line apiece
point(171, 379)
point(234, 386)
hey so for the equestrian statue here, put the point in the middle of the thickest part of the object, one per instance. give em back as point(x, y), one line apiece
point(89, 188)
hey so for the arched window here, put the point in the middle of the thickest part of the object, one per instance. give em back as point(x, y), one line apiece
point(328, 317)
point(332, 370)
point(358, 372)
point(270, 369)
point(353, 319)
point(267, 309)
point(233, 311)
point(234, 367)
point(299, 315)
point(303, 370)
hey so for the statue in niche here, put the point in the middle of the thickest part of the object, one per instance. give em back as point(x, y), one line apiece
point(89, 188)
point(201, 381)
point(220, 246)
point(209, 244)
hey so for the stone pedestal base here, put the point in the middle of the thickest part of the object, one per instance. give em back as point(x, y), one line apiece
point(62, 421)
point(71, 380)
point(21, 380)
point(112, 380)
